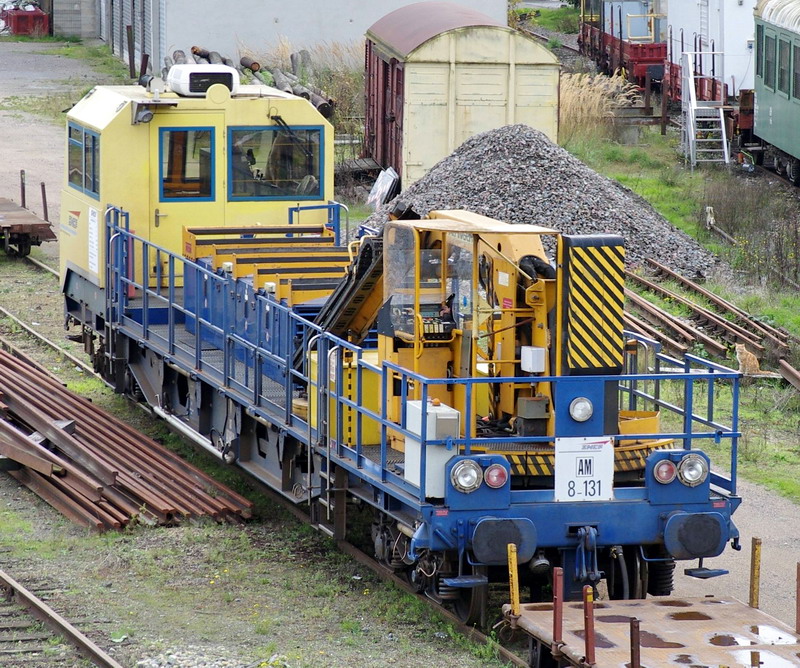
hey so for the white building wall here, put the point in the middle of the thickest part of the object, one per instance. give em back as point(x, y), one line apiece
point(726, 23)
point(253, 26)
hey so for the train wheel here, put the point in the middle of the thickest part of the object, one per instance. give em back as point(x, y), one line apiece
point(777, 165)
point(793, 170)
point(23, 246)
point(470, 606)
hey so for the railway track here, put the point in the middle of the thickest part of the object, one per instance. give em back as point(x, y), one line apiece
point(33, 634)
point(713, 330)
point(547, 37)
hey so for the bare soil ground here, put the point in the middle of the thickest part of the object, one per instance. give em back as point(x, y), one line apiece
point(237, 596)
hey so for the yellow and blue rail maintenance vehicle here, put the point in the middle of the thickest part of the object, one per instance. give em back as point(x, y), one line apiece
point(446, 374)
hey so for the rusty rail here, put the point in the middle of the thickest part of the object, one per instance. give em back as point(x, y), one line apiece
point(95, 469)
point(683, 332)
point(60, 626)
point(762, 330)
point(729, 331)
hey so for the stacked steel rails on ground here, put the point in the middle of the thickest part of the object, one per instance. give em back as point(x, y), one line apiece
point(93, 468)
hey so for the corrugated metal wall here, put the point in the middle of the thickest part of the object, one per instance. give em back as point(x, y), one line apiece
point(383, 124)
point(104, 20)
point(147, 21)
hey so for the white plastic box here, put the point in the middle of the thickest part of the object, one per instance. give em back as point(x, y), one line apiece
point(442, 422)
point(532, 359)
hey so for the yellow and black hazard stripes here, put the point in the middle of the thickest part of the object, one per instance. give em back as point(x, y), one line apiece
point(591, 300)
point(626, 458)
point(531, 464)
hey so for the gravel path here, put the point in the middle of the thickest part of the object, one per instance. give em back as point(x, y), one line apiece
point(27, 142)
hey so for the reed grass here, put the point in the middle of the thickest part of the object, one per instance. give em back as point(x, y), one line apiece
point(587, 102)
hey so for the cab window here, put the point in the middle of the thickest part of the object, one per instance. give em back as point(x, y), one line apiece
point(186, 164)
point(83, 160)
point(274, 163)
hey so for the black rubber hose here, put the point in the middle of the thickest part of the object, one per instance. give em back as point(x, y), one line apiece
point(623, 567)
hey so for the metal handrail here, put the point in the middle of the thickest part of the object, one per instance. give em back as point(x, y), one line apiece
point(258, 351)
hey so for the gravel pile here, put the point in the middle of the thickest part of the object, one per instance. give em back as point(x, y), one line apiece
point(516, 174)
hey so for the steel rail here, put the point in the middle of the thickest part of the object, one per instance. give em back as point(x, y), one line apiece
point(778, 337)
point(169, 488)
point(57, 623)
point(546, 38)
point(42, 266)
point(729, 330)
point(47, 342)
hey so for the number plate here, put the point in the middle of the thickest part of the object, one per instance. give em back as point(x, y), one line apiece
point(584, 469)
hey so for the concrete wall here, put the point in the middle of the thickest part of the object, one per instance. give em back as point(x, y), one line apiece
point(76, 18)
point(254, 26)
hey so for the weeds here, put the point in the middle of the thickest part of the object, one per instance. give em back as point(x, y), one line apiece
point(563, 19)
point(587, 103)
point(109, 68)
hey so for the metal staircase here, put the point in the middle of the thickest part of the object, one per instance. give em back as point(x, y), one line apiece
point(703, 135)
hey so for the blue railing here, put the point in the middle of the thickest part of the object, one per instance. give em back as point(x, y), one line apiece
point(334, 211)
point(244, 342)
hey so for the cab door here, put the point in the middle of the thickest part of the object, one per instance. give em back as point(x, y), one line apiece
point(188, 182)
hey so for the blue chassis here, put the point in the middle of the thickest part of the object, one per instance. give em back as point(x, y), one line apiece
point(638, 515)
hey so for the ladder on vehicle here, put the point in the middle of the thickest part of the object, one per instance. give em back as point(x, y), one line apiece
point(703, 134)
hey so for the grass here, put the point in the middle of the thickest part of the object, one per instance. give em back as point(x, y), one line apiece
point(652, 170)
point(562, 19)
point(38, 38)
point(99, 58)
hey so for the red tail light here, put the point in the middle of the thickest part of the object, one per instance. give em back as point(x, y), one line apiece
point(496, 476)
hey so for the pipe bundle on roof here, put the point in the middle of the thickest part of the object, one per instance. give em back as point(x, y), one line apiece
point(288, 82)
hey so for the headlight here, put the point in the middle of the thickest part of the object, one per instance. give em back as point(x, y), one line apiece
point(692, 470)
point(466, 476)
point(665, 471)
point(580, 409)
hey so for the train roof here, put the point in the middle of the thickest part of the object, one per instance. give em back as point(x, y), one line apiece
point(409, 27)
point(782, 13)
point(103, 103)
point(458, 220)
